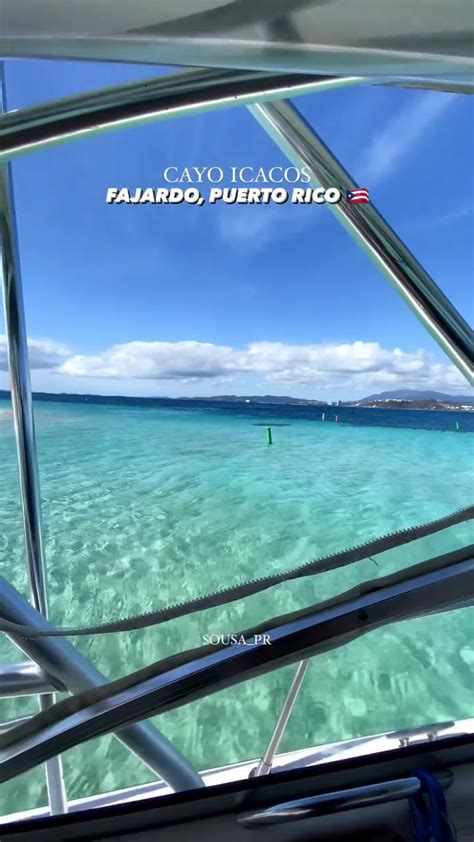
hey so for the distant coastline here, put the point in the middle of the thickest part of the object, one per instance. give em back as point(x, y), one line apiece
point(419, 404)
point(449, 403)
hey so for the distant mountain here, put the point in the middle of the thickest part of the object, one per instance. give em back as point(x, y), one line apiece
point(277, 399)
point(399, 398)
point(418, 395)
point(151, 401)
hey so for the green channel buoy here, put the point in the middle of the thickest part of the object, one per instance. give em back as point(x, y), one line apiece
point(269, 435)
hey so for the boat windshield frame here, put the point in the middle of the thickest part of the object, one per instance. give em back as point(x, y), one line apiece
point(266, 95)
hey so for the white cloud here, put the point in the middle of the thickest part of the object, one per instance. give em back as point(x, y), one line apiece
point(42, 353)
point(255, 226)
point(355, 365)
point(465, 210)
point(352, 366)
point(157, 361)
point(400, 134)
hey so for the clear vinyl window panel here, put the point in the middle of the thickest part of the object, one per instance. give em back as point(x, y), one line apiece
point(153, 492)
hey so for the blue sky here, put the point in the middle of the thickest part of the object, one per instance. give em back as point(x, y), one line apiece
point(180, 300)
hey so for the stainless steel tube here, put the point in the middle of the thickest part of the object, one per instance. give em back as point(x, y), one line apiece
point(333, 802)
point(407, 38)
point(167, 96)
point(25, 431)
point(301, 144)
point(24, 679)
point(60, 659)
point(265, 765)
point(12, 723)
point(149, 101)
point(156, 751)
point(416, 595)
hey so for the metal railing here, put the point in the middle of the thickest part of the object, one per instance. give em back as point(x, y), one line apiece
point(151, 101)
point(264, 766)
point(25, 434)
point(25, 679)
point(129, 105)
point(58, 657)
point(151, 746)
point(443, 584)
point(298, 140)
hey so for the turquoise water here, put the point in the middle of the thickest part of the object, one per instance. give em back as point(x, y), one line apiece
point(146, 507)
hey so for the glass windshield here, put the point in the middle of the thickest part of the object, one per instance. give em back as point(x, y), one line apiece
point(227, 391)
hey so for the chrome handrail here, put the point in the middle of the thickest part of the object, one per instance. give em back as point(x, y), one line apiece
point(332, 802)
point(239, 770)
point(408, 736)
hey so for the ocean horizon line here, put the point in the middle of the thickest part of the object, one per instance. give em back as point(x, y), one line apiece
point(5, 394)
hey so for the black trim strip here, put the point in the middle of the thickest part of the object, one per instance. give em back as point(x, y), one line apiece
point(233, 593)
point(448, 584)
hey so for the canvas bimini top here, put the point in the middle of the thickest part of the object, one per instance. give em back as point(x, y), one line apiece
point(417, 38)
